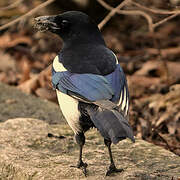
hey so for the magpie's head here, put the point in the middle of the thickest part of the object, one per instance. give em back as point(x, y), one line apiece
point(69, 25)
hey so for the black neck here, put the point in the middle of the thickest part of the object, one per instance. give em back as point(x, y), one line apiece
point(81, 39)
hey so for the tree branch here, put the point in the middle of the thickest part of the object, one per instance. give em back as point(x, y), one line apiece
point(30, 13)
point(164, 20)
point(156, 11)
point(112, 13)
point(129, 12)
point(12, 5)
point(151, 25)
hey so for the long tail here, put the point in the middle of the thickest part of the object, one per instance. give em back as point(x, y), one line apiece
point(111, 124)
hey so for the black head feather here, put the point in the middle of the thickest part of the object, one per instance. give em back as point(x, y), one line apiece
point(71, 25)
point(84, 49)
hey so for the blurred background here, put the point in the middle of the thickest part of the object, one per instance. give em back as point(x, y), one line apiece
point(149, 55)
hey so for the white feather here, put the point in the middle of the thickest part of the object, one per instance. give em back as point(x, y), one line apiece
point(69, 108)
point(127, 106)
point(120, 99)
point(115, 57)
point(68, 105)
point(124, 100)
point(58, 67)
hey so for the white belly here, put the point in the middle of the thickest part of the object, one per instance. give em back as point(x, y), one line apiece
point(68, 105)
point(69, 108)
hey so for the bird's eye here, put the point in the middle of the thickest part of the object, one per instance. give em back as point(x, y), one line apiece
point(64, 23)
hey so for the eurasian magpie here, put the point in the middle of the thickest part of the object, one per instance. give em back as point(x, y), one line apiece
point(91, 87)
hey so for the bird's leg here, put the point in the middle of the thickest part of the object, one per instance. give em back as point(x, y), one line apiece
point(112, 167)
point(80, 140)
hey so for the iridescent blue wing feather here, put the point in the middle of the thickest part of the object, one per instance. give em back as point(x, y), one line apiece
point(118, 83)
point(93, 87)
point(104, 91)
point(89, 86)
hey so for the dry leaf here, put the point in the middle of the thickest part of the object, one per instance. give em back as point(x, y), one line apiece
point(30, 85)
point(25, 70)
point(7, 62)
point(46, 94)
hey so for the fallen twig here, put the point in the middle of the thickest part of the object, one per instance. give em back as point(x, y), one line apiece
point(163, 139)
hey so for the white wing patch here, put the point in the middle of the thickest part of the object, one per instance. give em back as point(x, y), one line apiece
point(58, 67)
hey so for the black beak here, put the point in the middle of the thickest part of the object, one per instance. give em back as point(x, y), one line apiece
point(46, 23)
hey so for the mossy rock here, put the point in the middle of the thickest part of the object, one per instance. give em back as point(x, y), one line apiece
point(26, 152)
point(14, 103)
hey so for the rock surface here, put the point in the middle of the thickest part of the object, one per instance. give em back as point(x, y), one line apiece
point(14, 103)
point(26, 152)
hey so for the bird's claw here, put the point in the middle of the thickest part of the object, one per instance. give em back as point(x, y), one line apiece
point(113, 169)
point(83, 166)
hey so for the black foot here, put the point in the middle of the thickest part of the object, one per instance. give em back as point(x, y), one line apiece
point(83, 166)
point(113, 169)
